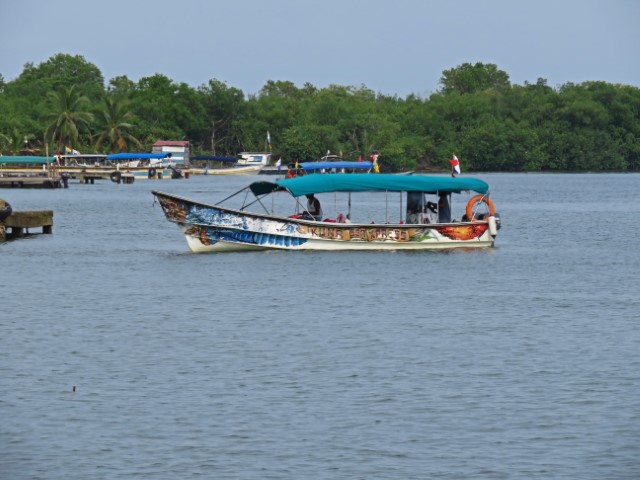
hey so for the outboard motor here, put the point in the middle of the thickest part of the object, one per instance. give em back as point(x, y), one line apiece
point(498, 222)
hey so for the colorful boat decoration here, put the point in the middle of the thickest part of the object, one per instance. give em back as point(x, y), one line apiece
point(423, 224)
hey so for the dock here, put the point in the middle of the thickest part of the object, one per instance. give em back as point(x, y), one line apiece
point(18, 224)
point(29, 181)
point(89, 176)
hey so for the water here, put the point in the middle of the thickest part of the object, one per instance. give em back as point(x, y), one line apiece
point(519, 362)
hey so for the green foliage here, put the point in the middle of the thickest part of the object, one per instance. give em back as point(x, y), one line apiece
point(116, 134)
point(59, 71)
point(468, 78)
point(68, 116)
point(223, 110)
point(121, 87)
point(305, 143)
point(488, 123)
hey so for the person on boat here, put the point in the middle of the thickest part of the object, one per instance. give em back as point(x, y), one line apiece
point(418, 208)
point(374, 159)
point(313, 207)
point(444, 208)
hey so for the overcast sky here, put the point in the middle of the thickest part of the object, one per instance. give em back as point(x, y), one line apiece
point(394, 47)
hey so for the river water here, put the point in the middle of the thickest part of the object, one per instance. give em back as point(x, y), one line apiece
point(518, 362)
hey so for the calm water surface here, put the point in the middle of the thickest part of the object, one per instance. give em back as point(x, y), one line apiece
point(519, 362)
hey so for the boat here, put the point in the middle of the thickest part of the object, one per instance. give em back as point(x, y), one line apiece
point(418, 223)
point(329, 164)
point(28, 172)
point(336, 166)
point(146, 165)
point(244, 163)
point(116, 166)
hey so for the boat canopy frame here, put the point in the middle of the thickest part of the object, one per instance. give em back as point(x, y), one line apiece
point(384, 182)
point(314, 184)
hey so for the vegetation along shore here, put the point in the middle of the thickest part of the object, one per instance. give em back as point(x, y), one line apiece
point(477, 114)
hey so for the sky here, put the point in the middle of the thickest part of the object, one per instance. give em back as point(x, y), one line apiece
point(393, 47)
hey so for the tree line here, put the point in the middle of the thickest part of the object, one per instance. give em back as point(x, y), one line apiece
point(477, 114)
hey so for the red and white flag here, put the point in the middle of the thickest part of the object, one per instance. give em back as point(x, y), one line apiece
point(455, 166)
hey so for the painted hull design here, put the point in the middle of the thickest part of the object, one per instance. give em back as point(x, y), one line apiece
point(211, 228)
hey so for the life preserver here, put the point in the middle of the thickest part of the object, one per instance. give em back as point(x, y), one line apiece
point(115, 177)
point(152, 172)
point(476, 199)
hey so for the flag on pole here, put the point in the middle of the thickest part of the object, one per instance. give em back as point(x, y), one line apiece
point(70, 151)
point(269, 139)
point(455, 165)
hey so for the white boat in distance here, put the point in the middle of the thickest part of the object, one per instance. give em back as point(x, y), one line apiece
point(244, 163)
point(424, 225)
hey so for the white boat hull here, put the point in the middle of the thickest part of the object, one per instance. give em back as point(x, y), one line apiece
point(196, 244)
point(249, 169)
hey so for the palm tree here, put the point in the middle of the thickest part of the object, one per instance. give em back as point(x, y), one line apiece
point(19, 141)
point(116, 131)
point(68, 117)
point(4, 141)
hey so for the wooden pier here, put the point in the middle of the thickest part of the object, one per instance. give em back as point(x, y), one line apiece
point(29, 181)
point(18, 224)
point(116, 176)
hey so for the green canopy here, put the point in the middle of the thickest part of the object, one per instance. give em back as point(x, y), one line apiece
point(371, 183)
point(25, 160)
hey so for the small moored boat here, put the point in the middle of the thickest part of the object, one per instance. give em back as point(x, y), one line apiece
point(338, 166)
point(329, 164)
point(244, 163)
point(419, 224)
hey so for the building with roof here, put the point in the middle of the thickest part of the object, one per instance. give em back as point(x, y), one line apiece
point(179, 149)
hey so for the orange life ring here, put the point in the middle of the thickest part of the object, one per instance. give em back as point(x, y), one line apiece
point(476, 199)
